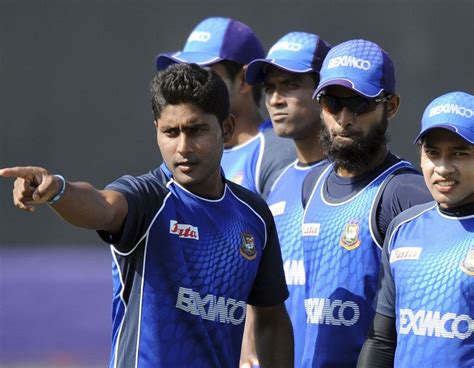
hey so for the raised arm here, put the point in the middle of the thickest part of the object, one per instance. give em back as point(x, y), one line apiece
point(273, 336)
point(80, 204)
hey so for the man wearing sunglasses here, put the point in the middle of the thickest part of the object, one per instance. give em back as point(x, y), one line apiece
point(349, 203)
point(289, 74)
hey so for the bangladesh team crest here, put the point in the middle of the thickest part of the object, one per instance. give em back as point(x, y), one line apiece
point(350, 236)
point(467, 265)
point(248, 248)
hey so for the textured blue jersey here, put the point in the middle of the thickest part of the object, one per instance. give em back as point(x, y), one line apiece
point(184, 269)
point(342, 260)
point(285, 203)
point(427, 284)
point(256, 163)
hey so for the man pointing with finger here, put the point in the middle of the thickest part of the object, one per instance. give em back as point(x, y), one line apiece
point(185, 266)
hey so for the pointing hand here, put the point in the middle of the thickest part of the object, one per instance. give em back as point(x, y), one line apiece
point(33, 186)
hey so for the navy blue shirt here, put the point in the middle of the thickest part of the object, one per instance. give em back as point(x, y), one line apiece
point(184, 269)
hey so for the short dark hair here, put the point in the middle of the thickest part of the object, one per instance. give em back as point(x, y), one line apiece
point(232, 68)
point(315, 77)
point(189, 83)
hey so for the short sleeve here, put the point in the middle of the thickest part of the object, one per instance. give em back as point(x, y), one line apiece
point(269, 287)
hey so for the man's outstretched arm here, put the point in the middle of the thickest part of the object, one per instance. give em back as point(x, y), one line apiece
point(80, 204)
point(273, 336)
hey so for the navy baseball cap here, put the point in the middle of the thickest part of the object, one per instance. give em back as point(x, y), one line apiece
point(213, 40)
point(360, 65)
point(453, 111)
point(296, 52)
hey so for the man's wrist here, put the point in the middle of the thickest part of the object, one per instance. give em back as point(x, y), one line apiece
point(60, 194)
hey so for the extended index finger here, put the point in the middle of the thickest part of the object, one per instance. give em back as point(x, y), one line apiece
point(25, 172)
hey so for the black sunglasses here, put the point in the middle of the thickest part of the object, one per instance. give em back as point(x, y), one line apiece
point(357, 105)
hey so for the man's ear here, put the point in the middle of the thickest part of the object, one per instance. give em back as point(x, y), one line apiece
point(393, 105)
point(244, 87)
point(228, 126)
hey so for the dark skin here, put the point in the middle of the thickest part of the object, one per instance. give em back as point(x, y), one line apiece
point(191, 143)
point(344, 126)
point(242, 106)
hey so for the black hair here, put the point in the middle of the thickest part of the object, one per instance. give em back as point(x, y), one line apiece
point(232, 68)
point(189, 83)
point(315, 77)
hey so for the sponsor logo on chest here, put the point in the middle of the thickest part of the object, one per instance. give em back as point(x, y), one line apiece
point(278, 208)
point(405, 253)
point(331, 312)
point(311, 229)
point(211, 307)
point(432, 323)
point(294, 272)
point(184, 230)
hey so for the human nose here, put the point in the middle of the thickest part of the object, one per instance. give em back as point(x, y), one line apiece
point(275, 98)
point(184, 143)
point(444, 166)
point(345, 117)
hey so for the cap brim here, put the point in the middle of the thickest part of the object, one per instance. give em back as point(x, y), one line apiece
point(165, 60)
point(361, 87)
point(464, 133)
point(255, 73)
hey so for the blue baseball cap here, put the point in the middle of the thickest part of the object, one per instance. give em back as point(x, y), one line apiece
point(213, 40)
point(453, 111)
point(360, 65)
point(296, 52)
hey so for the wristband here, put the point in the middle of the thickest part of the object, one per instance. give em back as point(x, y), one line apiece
point(60, 194)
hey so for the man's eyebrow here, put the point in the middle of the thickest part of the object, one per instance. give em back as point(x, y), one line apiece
point(459, 147)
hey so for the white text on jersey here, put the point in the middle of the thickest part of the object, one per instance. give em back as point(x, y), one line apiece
point(331, 312)
point(429, 323)
point(211, 307)
point(294, 272)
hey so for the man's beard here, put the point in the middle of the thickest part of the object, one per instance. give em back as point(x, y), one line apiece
point(356, 156)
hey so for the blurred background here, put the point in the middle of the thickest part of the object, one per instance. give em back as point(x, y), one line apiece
point(74, 79)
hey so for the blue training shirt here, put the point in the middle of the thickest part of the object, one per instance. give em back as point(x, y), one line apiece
point(184, 269)
point(257, 163)
point(285, 204)
point(427, 285)
point(342, 241)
